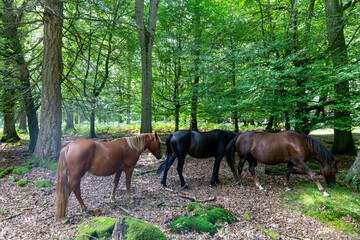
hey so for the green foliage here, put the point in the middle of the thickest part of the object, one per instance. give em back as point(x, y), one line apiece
point(271, 234)
point(42, 184)
point(192, 223)
point(332, 210)
point(193, 206)
point(218, 215)
point(6, 171)
point(99, 228)
point(20, 170)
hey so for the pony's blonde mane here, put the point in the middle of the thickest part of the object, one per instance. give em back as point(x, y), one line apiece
point(138, 142)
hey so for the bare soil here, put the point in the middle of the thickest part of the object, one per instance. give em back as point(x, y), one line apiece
point(33, 211)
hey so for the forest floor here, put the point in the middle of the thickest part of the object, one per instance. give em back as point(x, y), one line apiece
point(32, 211)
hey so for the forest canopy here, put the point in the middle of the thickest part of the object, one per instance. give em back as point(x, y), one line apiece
point(294, 63)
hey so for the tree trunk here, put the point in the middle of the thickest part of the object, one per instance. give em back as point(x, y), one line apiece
point(49, 141)
point(146, 39)
point(22, 119)
point(353, 175)
point(69, 119)
point(92, 120)
point(343, 139)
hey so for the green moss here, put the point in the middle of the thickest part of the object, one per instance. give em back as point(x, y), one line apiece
point(20, 170)
point(42, 184)
point(6, 171)
point(192, 223)
point(22, 182)
point(333, 211)
point(99, 228)
point(247, 216)
point(217, 215)
point(271, 234)
point(193, 205)
point(138, 229)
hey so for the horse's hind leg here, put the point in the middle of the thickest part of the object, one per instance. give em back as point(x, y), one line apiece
point(252, 165)
point(240, 168)
point(74, 185)
point(116, 183)
point(215, 176)
point(167, 167)
point(290, 166)
point(179, 169)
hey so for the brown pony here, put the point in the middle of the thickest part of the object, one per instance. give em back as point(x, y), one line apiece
point(288, 147)
point(100, 159)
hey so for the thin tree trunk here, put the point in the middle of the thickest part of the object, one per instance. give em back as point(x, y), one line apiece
point(146, 39)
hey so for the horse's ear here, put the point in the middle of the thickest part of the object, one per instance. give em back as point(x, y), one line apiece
point(156, 136)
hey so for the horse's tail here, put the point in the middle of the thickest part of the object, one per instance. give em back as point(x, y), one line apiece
point(230, 155)
point(62, 186)
point(168, 155)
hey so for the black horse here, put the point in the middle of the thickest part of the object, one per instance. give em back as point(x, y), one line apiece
point(198, 145)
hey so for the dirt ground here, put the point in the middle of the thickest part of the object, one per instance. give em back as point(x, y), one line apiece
point(33, 211)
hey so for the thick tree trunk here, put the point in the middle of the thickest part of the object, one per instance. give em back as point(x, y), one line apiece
point(353, 175)
point(9, 134)
point(146, 39)
point(49, 141)
point(343, 140)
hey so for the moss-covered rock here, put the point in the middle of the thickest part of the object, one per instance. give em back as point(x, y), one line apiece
point(99, 228)
point(20, 170)
point(136, 229)
point(201, 220)
point(192, 223)
point(42, 184)
point(22, 182)
point(193, 206)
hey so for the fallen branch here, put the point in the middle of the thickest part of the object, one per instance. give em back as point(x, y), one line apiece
point(145, 172)
point(10, 217)
point(44, 218)
point(129, 213)
point(193, 199)
point(69, 228)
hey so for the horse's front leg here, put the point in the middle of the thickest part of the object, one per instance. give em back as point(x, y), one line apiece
point(289, 169)
point(301, 164)
point(169, 161)
point(116, 183)
point(215, 176)
point(128, 174)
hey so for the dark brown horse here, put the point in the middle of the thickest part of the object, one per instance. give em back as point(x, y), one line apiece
point(100, 159)
point(288, 147)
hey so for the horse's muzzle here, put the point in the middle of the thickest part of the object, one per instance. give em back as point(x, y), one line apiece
point(159, 156)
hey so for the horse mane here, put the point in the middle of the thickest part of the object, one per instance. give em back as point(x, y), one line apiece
point(138, 142)
point(318, 147)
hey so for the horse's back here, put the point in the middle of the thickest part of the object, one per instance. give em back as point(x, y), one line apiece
point(273, 148)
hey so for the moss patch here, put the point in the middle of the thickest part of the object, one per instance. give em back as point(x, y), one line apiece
point(335, 211)
point(99, 228)
point(20, 170)
point(4, 172)
point(138, 229)
point(42, 184)
point(201, 220)
point(22, 183)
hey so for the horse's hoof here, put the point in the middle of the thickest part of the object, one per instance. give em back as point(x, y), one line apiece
point(325, 194)
point(241, 186)
point(217, 182)
point(164, 185)
point(213, 185)
point(260, 187)
point(287, 189)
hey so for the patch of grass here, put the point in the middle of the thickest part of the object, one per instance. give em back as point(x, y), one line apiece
point(336, 210)
point(271, 234)
point(41, 162)
point(20, 170)
point(22, 183)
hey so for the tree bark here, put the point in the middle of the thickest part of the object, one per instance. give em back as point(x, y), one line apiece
point(146, 36)
point(49, 141)
point(343, 139)
point(353, 175)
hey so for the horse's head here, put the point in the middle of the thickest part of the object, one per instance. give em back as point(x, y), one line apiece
point(328, 171)
point(154, 146)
